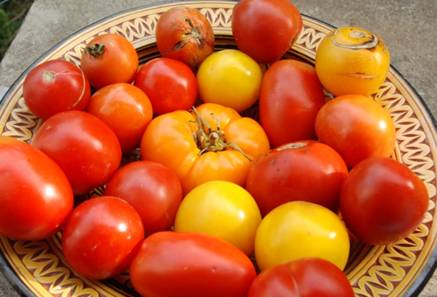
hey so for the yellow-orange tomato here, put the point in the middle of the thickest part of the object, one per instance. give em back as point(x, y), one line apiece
point(352, 61)
point(212, 143)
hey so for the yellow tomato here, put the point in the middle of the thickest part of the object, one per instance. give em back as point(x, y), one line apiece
point(352, 61)
point(221, 209)
point(230, 78)
point(300, 230)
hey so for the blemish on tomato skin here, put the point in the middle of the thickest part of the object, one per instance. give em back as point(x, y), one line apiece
point(48, 76)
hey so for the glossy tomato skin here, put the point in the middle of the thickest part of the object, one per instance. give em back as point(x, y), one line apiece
point(307, 171)
point(197, 266)
point(184, 34)
point(265, 29)
point(35, 196)
point(194, 166)
point(356, 127)
point(101, 236)
point(220, 209)
point(311, 277)
point(55, 86)
point(125, 109)
point(301, 229)
point(82, 145)
point(153, 189)
point(382, 201)
point(109, 59)
point(230, 78)
point(171, 85)
point(291, 96)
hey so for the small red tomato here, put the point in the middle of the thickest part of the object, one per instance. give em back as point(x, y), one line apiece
point(100, 237)
point(291, 96)
point(109, 59)
point(82, 145)
point(170, 84)
point(35, 196)
point(171, 264)
point(382, 201)
point(184, 34)
point(265, 29)
point(311, 277)
point(125, 109)
point(55, 86)
point(307, 171)
point(152, 189)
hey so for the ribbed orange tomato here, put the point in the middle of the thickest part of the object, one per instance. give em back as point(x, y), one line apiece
point(212, 143)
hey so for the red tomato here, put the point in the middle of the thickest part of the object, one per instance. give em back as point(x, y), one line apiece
point(170, 84)
point(100, 237)
point(55, 86)
point(308, 171)
point(356, 127)
point(184, 34)
point(125, 109)
point(152, 189)
point(35, 196)
point(291, 95)
point(265, 29)
point(82, 145)
point(172, 264)
point(309, 277)
point(382, 201)
point(109, 59)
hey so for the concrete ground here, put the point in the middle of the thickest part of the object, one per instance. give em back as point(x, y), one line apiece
point(409, 28)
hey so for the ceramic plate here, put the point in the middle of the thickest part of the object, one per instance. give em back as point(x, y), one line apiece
point(400, 269)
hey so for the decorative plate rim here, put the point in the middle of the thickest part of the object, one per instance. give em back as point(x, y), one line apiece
point(426, 271)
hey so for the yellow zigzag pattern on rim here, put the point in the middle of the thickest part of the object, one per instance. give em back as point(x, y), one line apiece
point(46, 269)
point(21, 122)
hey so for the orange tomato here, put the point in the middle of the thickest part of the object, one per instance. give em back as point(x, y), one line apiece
point(352, 61)
point(356, 127)
point(212, 143)
point(109, 59)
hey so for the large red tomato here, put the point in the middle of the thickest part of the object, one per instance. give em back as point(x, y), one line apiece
point(311, 277)
point(55, 86)
point(152, 189)
point(171, 264)
point(291, 95)
point(170, 84)
point(35, 196)
point(184, 34)
point(382, 201)
point(82, 145)
point(125, 109)
point(265, 29)
point(308, 171)
point(109, 59)
point(356, 127)
point(100, 237)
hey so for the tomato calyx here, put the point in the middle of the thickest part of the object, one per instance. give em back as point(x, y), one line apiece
point(96, 50)
point(212, 140)
point(48, 76)
point(193, 33)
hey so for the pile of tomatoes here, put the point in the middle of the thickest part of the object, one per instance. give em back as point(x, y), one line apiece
point(213, 188)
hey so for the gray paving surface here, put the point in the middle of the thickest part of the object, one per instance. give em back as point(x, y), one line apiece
point(408, 27)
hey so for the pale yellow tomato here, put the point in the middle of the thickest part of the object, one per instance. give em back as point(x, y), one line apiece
point(221, 209)
point(298, 230)
point(352, 61)
point(230, 78)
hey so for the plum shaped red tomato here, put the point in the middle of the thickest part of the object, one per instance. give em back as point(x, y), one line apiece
point(171, 264)
point(35, 196)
